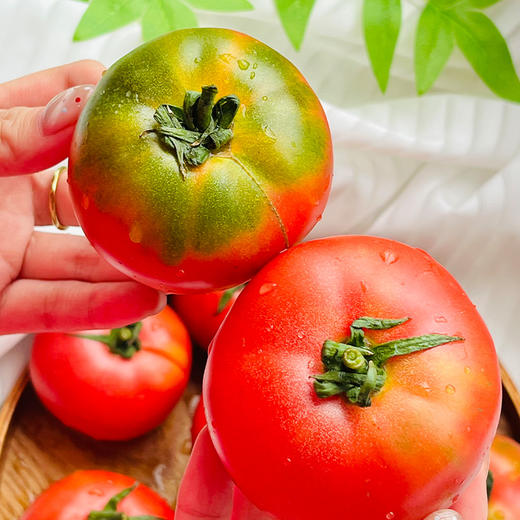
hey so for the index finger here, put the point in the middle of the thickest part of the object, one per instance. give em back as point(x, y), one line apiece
point(38, 88)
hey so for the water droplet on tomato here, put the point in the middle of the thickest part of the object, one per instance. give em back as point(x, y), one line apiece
point(363, 285)
point(197, 60)
point(255, 65)
point(467, 370)
point(264, 98)
point(440, 319)
point(289, 459)
point(181, 273)
point(85, 201)
point(388, 257)
point(450, 389)
point(243, 64)
point(226, 57)
point(390, 516)
point(96, 492)
point(300, 335)
point(128, 93)
point(425, 386)
point(268, 131)
point(260, 351)
point(136, 234)
point(252, 75)
point(267, 287)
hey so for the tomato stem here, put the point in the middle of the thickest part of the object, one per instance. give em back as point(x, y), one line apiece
point(355, 367)
point(122, 341)
point(226, 297)
point(197, 129)
point(110, 511)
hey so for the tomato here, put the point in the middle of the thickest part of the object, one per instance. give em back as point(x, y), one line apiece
point(504, 501)
point(118, 394)
point(82, 492)
point(401, 438)
point(180, 227)
point(199, 420)
point(203, 313)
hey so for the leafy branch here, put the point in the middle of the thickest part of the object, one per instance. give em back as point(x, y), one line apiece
point(443, 24)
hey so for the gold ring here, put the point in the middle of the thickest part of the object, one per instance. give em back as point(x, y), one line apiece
point(52, 198)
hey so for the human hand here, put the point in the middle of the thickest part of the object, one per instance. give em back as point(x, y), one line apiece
point(49, 281)
point(207, 491)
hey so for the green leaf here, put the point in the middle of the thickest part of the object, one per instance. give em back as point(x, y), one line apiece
point(163, 16)
point(487, 51)
point(489, 484)
point(377, 323)
point(103, 16)
point(221, 5)
point(434, 44)
point(381, 25)
point(294, 15)
point(481, 4)
point(228, 294)
point(400, 347)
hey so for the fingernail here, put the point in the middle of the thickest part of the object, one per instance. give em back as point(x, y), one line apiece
point(63, 109)
point(444, 514)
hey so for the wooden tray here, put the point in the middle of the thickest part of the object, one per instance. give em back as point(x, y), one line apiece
point(38, 449)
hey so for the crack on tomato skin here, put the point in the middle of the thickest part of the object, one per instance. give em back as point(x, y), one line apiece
point(237, 161)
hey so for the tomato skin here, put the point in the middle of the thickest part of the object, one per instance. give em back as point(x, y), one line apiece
point(104, 395)
point(199, 312)
point(233, 213)
point(75, 496)
point(199, 420)
point(504, 502)
point(428, 429)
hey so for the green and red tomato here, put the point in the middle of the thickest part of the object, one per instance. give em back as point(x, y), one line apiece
point(306, 433)
point(113, 385)
point(185, 197)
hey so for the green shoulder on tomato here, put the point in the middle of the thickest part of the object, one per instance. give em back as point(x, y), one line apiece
point(182, 227)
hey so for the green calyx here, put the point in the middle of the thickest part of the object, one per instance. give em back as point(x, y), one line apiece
point(226, 296)
point(199, 128)
point(123, 341)
point(355, 367)
point(110, 512)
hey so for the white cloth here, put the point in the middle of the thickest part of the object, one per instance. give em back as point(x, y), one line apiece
point(440, 172)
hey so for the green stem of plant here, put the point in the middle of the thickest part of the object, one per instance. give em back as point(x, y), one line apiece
point(197, 129)
point(355, 367)
point(123, 341)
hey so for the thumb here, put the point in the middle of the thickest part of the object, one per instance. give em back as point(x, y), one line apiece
point(32, 139)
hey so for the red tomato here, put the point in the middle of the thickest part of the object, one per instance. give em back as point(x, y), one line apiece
point(212, 224)
point(105, 395)
point(82, 492)
point(427, 418)
point(504, 502)
point(199, 420)
point(203, 313)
